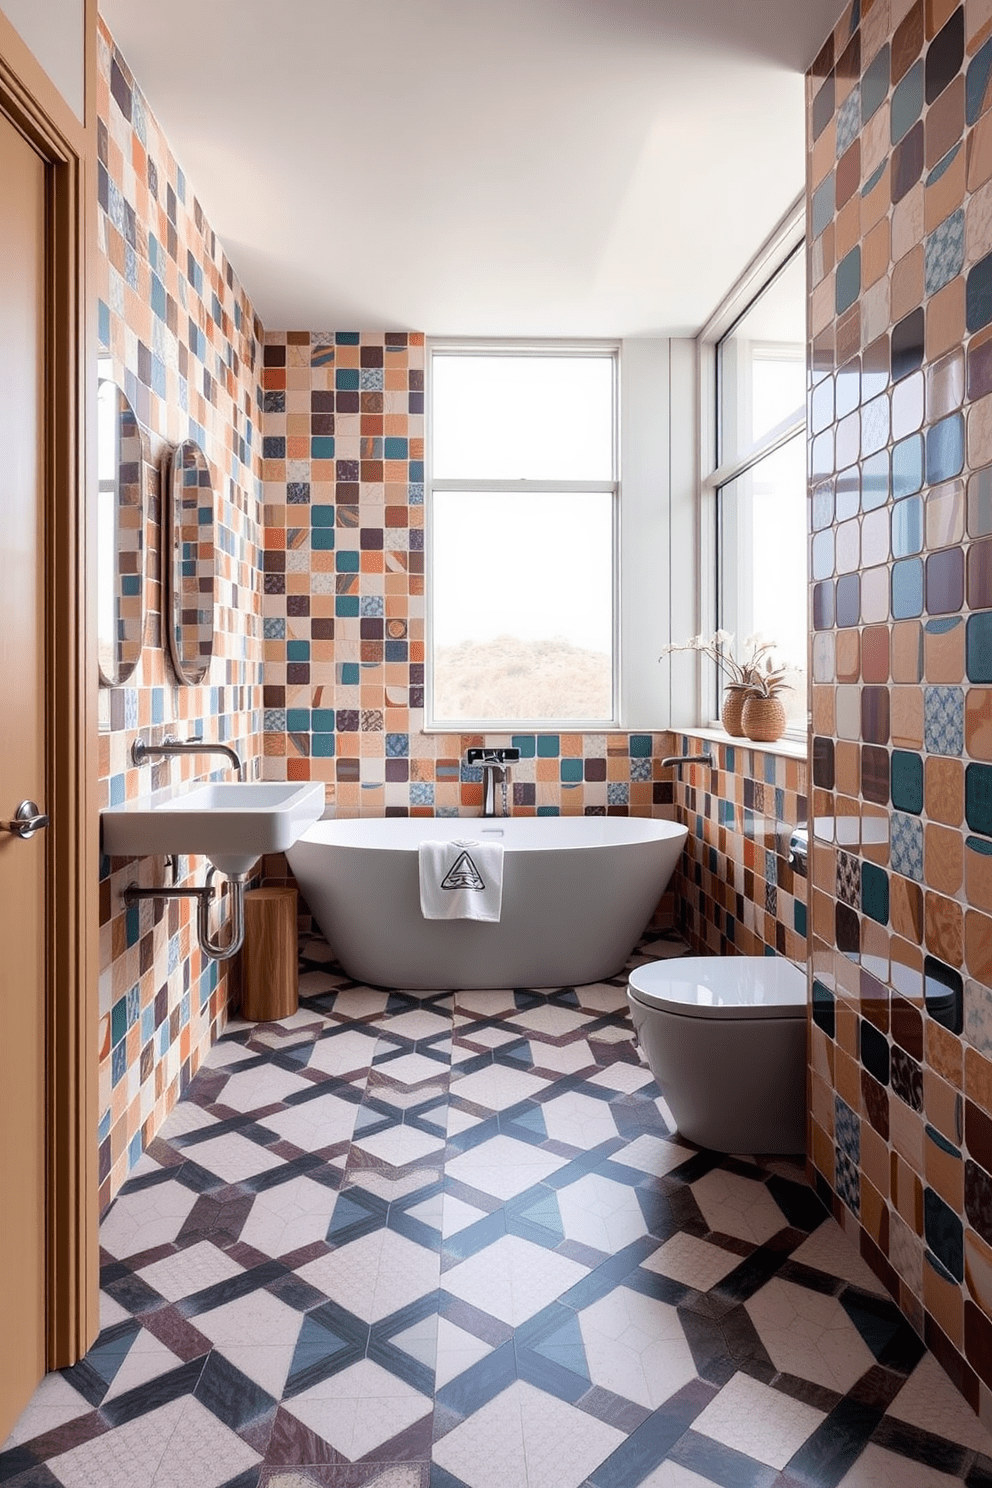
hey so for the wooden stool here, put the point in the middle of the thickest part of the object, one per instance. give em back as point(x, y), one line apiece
point(270, 969)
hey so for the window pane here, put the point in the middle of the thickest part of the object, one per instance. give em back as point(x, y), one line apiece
point(763, 566)
point(522, 417)
point(763, 362)
point(522, 606)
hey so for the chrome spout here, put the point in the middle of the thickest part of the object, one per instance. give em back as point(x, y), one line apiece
point(142, 751)
point(675, 760)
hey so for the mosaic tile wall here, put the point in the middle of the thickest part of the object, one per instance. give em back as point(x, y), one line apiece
point(343, 445)
point(900, 221)
point(738, 890)
point(183, 343)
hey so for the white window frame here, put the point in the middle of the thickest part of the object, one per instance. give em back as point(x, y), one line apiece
point(448, 346)
point(716, 473)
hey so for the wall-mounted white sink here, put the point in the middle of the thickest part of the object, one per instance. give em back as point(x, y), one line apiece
point(230, 823)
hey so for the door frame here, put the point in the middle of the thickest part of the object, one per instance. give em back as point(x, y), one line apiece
point(32, 103)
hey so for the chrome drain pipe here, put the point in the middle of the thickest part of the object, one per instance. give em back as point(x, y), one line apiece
point(214, 950)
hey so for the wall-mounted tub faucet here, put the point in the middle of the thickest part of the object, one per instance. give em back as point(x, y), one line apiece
point(142, 751)
point(494, 764)
point(687, 759)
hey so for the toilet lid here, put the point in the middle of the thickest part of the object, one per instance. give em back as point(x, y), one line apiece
point(722, 986)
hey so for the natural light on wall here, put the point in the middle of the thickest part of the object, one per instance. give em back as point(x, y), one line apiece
point(522, 533)
point(761, 495)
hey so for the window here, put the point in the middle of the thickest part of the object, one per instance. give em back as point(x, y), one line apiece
point(522, 538)
point(758, 466)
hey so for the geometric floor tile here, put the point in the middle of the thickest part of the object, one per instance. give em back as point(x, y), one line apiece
point(357, 1410)
point(877, 1468)
point(153, 1216)
point(809, 1334)
point(374, 1275)
point(601, 1213)
point(930, 1402)
point(828, 1249)
point(732, 1205)
point(636, 1347)
point(53, 1404)
point(595, 1315)
point(503, 1167)
point(758, 1421)
point(288, 1217)
point(579, 1120)
point(457, 1351)
point(525, 1436)
point(190, 1270)
point(692, 1261)
point(512, 1279)
point(128, 1457)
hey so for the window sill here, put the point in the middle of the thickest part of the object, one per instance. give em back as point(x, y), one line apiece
point(789, 748)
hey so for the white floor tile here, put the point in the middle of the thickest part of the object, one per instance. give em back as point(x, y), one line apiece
point(53, 1404)
point(314, 1124)
point(512, 1279)
point(759, 1421)
point(809, 1334)
point(233, 1158)
point(495, 1087)
point(375, 1275)
point(929, 1400)
point(828, 1249)
point(358, 1409)
point(635, 1347)
point(150, 1217)
point(738, 1206)
point(601, 1213)
point(289, 1217)
point(694, 1262)
point(503, 1167)
point(190, 1270)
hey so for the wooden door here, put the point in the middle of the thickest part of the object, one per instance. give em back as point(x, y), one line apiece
point(23, 753)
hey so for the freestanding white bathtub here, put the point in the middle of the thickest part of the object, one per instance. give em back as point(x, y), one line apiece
point(577, 893)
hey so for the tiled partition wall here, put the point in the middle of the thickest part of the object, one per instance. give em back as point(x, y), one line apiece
point(738, 891)
point(344, 604)
point(900, 219)
point(184, 346)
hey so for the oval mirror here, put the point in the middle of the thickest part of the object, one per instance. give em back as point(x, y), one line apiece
point(120, 535)
point(189, 557)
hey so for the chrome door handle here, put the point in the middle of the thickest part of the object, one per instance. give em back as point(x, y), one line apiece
point(28, 819)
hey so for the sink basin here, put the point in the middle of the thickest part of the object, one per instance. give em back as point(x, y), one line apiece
point(230, 823)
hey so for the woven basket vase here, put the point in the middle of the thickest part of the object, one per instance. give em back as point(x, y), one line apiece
point(733, 706)
point(763, 718)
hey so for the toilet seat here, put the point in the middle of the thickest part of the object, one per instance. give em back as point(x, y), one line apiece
point(718, 987)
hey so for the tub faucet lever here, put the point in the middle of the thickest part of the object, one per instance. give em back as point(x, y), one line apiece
point(494, 764)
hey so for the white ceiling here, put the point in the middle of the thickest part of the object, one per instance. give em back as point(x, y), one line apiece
point(515, 167)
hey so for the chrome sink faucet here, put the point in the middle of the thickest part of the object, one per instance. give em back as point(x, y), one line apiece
point(494, 763)
point(142, 752)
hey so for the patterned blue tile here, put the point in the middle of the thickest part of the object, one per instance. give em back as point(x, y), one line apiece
point(907, 845)
point(849, 120)
point(944, 252)
point(943, 712)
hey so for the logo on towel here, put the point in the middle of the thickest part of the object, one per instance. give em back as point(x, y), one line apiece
point(463, 874)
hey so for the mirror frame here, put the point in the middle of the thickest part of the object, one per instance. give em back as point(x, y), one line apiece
point(190, 672)
point(124, 668)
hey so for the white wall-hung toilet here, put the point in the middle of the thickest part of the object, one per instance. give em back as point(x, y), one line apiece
point(725, 1038)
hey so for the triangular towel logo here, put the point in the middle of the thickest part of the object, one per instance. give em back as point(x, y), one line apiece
point(463, 874)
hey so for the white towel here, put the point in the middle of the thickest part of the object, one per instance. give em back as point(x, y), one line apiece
point(461, 880)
